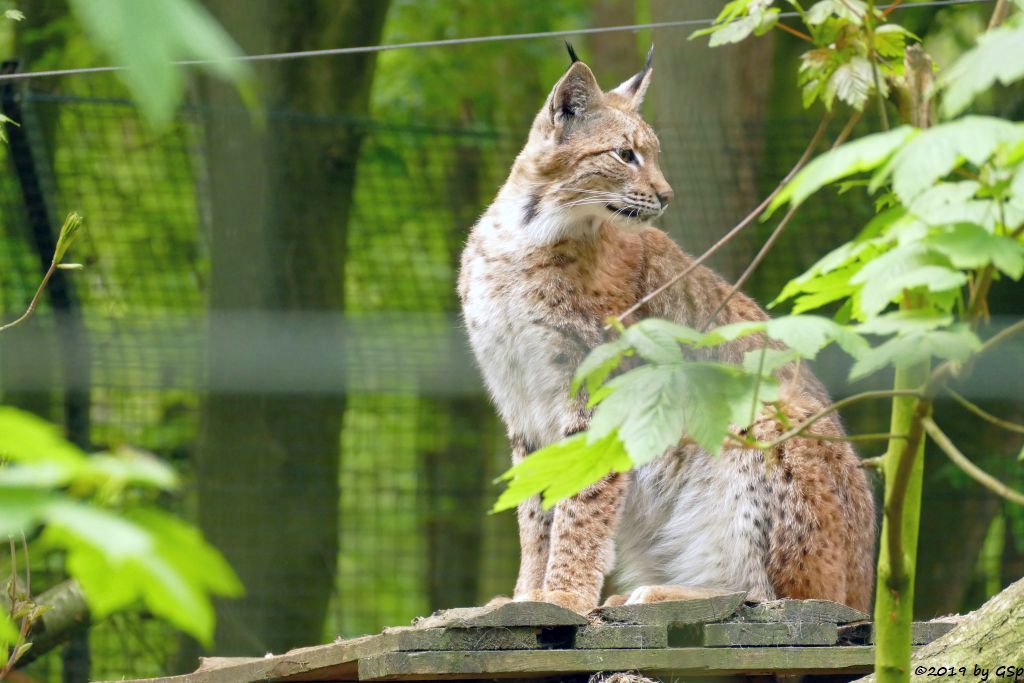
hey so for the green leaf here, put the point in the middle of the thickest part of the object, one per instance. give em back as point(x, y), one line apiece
point(996, 58)
point(935, 152)
point(971, 246)
point(145, 556)
point(147, 37)
point(851, 10)
point(562, 469)
point(719, 396)
point(643, 408)
point(914, 347)
point(891, 40)
point(8, 636)
point(903, 268)
point(773, 360)
point(853, 83)
point(805, 334)
point(598, 364)
point(863, 154)
point(22, 509)
point(904, 322)
point(30, 438)
point(68, 234)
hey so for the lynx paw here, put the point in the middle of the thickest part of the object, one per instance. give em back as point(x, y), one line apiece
point(498, 601)
point(648, 594)
point(565, 599)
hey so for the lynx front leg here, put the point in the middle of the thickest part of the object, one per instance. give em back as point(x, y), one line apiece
point(582, 545)
point(534, 535)
point(534, 541)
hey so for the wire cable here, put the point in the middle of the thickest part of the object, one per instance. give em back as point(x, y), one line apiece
point(279, 56)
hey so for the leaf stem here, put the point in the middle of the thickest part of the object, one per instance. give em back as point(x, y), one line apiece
point(972, 470)
point(792, 31)
point(758, 210)
point(35, 300)
point(989, 417)
point(838, 405)
point(999, 14)
point(869, 24)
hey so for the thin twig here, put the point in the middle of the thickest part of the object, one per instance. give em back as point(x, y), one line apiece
point(999, 14)
point(883, 436)
point(35, 300)
point(888, 10)
point(792, 31)
point(752, 266)
point(838, 405)
point(875, 463)
point(869, 24)
point(848, 128)
point(989, 417)
point(759, 257)
point(972, 470)
point(758, 210)
point(951, 368)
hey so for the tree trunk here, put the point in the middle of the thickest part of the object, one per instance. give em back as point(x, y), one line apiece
point(711, 144)
point(986, 639)
point(279, 201)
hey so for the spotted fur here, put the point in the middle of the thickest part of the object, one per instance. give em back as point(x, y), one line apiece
point(565, 244)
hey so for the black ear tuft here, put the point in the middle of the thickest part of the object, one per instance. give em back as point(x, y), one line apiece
point(634, 84)
point(572, 53)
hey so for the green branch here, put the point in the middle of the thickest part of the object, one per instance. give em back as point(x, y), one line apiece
point(988, 417)
point(975, 472)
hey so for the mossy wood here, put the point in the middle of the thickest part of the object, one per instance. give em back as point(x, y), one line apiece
point(715, 636)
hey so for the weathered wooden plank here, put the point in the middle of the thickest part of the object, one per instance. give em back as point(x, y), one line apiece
point(334, 661)
point(620, 637)
point(921, 632)
point(807, 611)
point(509, 614)
point(657, 662)
point(411, 638)
point(701, 610)
point(755, 634)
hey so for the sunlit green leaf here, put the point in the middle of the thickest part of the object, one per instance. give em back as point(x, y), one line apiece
point(644, 408)
point(28, 437)
point(915, 347)
point(147, 37)
point(598, 364)
point(971, 246)
point(863, 154)
point(904, 322)
point(805, 334)
point(853, 82)
point(906, 267)
point(22, 509)
point(770, 361)
point(935, 152)
point(851, 10)
point(562, 470)
point(997, 57)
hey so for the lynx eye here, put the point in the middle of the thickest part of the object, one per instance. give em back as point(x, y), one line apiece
point(628, 156)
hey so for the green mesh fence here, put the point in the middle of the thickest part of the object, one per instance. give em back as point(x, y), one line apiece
point(412, 390)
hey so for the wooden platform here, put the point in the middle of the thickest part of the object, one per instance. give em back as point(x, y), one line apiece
point(719, 636)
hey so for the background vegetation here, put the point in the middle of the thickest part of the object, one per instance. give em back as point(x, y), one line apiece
point(268, 304)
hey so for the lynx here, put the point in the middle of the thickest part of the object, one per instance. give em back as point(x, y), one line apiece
point(565, 244)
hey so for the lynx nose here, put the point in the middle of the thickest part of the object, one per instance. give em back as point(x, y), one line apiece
point(665, 196)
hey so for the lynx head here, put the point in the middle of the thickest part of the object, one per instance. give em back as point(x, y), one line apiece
point(590, 158)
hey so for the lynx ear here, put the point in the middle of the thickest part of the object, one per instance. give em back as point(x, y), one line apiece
point(633, 89)
point(576, 93)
